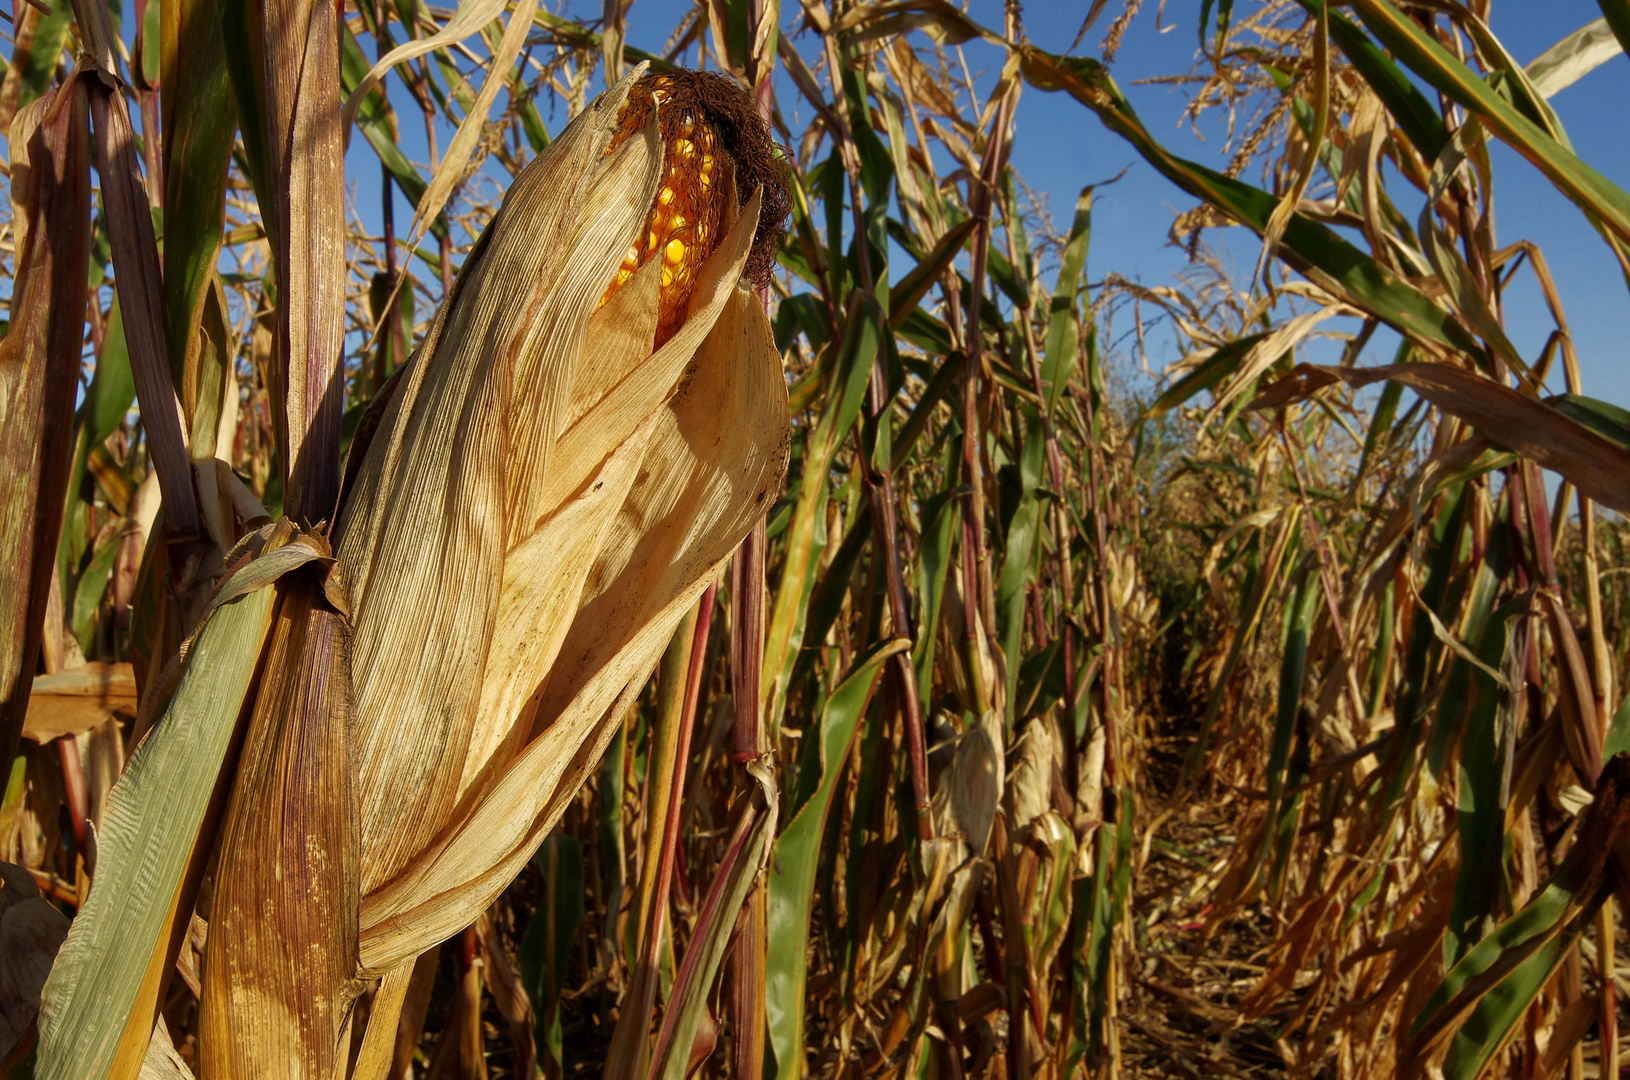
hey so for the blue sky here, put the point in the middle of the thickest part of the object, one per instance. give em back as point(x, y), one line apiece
point(1060, 146)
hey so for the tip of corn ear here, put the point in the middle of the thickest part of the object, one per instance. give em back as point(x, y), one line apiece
point(717, 152)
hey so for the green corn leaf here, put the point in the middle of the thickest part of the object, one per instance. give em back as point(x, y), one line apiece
point(1282, 810)
point(113, 387)
point(806, 533)
point(903, 298)
point(926, 332)
point(1380, 432)
point(199, 125)
point(39, 71)
point(1414, 114)
point(826, 602)
point(1054, 894)
point(548, 942)
point(942, 516)
point(1494, 1022)
point(89, 589)
point(939, 385)
point(1007, 278)
point(1063, 318)
point(1478, 1006)
point(1024, 268)
point(738, 32)
point(1023, 534)
point(1483, 996)
point(147, 51)
point(1447, 537)
point(797, 849)
point(1480, 814)
point(1206, 374)
point(1041, 680)
point(1253, 603)
point(1618, 731)
point(100, 1001)
point(1603, 417)
point(1102, 909)
point(803, 314)
point(111, 392)
point(1225, 10)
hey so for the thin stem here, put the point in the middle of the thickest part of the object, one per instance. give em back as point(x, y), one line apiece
point(747, 592)
point(628, 1060)
point(391, 348)
point(879, 482)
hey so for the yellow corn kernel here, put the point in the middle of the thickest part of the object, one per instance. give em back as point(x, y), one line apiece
point(685, 219)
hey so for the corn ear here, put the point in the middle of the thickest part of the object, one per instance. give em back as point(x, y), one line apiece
point(557, 476)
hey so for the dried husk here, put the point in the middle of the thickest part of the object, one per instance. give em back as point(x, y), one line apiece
point(278, 972)
point(543, 497)
point(1028, 792)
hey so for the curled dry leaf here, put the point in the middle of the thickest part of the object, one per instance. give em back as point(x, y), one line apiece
point(78, 700)
point(1546, 435)
point(31, 931)
point(1028, 792)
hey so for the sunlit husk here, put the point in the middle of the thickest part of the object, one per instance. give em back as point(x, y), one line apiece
point(459, 461)
point(543, 498)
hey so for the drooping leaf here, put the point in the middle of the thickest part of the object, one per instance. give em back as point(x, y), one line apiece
point(1597, 466)
point(109, 978)
point(797, 850)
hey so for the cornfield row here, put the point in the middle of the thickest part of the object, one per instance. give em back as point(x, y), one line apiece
point(714, 607)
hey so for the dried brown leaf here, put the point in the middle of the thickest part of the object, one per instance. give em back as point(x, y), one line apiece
point(39, 374)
